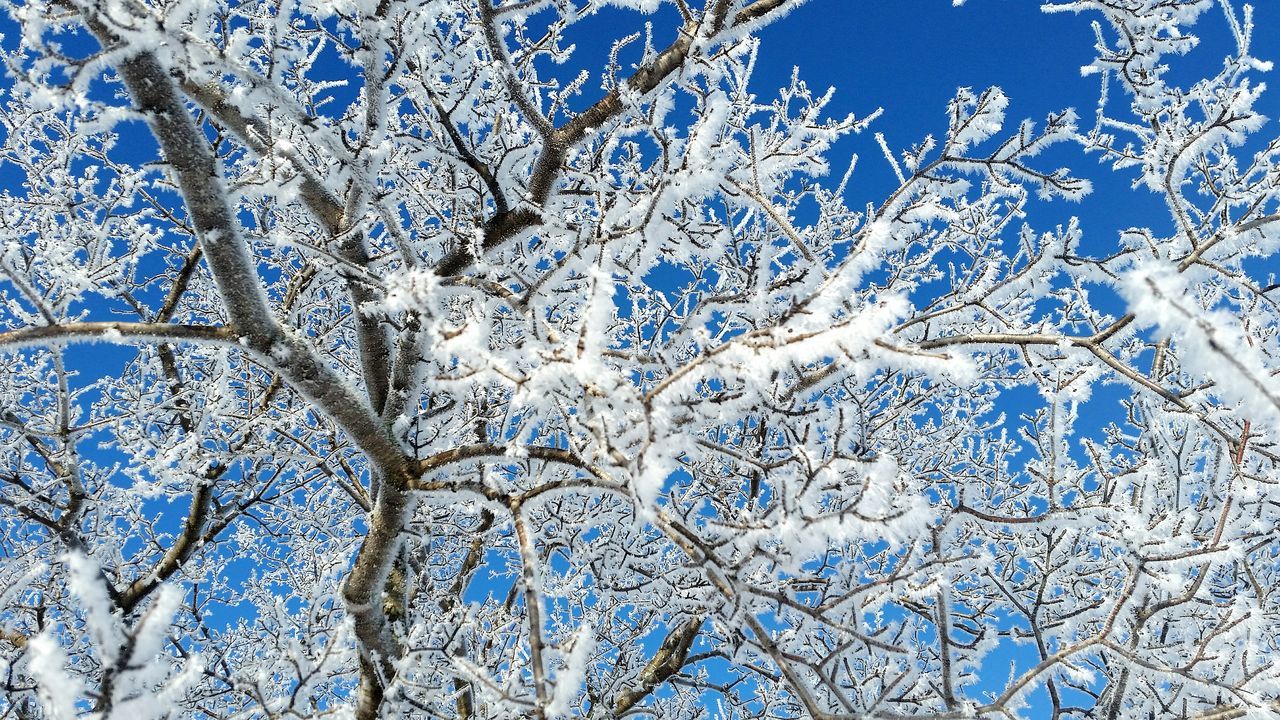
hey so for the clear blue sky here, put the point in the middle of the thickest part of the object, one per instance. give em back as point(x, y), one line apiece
point(910, 56)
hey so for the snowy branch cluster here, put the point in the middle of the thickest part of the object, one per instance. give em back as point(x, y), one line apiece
point(461, 380)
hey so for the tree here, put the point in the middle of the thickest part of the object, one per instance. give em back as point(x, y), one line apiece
point(458, 387)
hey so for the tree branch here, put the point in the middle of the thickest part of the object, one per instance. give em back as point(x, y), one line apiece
point(45, 335)
point(557, 142)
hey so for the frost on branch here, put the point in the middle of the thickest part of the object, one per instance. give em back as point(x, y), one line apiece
point(391, 359)
point(138, 679)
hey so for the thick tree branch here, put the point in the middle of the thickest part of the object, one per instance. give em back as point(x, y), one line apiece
point(375, 355)
point(199, 178)
point(668, 660)
point(45, 335)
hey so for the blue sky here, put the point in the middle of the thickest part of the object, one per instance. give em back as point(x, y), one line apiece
point(910, 56)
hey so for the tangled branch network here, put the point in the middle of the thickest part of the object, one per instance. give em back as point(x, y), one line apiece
point(385, 359)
